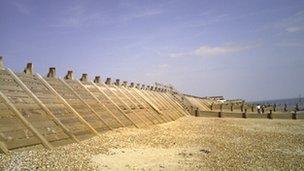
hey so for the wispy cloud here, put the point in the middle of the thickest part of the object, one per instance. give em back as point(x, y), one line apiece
point(21, 7)
point(76, 16)
point(291, 44)
point(212, 51)
point(291, 24)
point(142, 14)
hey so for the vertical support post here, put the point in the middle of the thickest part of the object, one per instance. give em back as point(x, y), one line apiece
point(231, 107)
point(29, 69)
point(244, 114)
point(1, 62)
point(285, 107)
point(269, 115)
point(294, 115)
point(52, 72)
point(11, 106)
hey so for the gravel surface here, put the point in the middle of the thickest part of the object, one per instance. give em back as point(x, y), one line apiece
point(186, 144)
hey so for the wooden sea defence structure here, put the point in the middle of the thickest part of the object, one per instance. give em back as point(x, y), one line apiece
point(52, 111)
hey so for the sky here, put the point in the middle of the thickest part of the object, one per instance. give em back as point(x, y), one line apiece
point(249, 49)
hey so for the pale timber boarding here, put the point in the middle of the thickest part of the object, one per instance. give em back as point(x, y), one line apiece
point(51, 111)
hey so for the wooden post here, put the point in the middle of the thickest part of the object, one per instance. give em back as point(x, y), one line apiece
point(274, 107)
point(220, 114)
point(211, 106)
point(117, 82)
point(231, 107)
point(285, 107)
point(27, 124)
point(52, 72)
point(97, 79)
point(68, 106)
point(69, 75)
point(101, 104)
point(1, 62)
point(98, 88)
point(84, 102)
point(84, 77)
point(196, 112)
point(294, 115)
point(252, 108)
point(29, 69)
point(269, 115)
point(108, 81)
point(244, 114)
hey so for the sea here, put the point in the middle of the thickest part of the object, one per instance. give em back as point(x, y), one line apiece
point(281, 102)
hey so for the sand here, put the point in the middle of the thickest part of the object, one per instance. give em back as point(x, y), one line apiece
point(189, 143)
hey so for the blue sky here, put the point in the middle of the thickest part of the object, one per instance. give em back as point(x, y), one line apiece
point(237, 48)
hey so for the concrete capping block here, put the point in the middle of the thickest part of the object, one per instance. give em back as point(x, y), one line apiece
point(143, 86)
point(29, 69)
point(132, 84)
point(52, 72)
point(124, 83)
point(84, 77)
point(108, 81)
point(97, 79)
point(69, 75)
point(137, 86)
point(117, 82)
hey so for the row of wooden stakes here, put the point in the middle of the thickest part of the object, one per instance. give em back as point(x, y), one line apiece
point(52, 111)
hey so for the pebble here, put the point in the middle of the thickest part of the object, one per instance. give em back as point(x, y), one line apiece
point(236, 144)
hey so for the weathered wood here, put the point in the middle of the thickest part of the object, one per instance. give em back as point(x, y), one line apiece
point(186, 112)
point(94, 112)
point(132, 102)
point(25, 122)
point(43, 106)
point(99, 102)
point(150, 103)
point(3, 148)
point(68, 106)
point(100, 90)
point(169, 118)
point(137, 101)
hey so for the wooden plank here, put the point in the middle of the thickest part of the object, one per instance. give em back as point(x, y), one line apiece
point(68, 106)
point(164, 103)
point(170, 105)
point(3, 148)
point(105, 107)
point(94, 112)
point(159, 104)
point(151, 104)
point(25, 122)
point(100, 90)
point(35, 98)
point(186, 112)
point(119, 98)
point(137, 101)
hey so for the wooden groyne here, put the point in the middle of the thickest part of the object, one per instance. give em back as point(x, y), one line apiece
point(52, 111)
